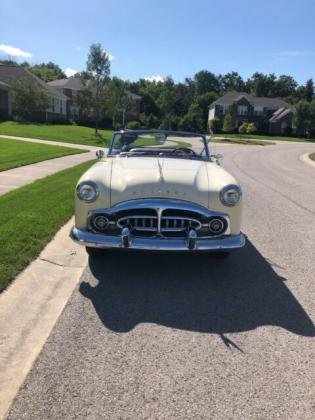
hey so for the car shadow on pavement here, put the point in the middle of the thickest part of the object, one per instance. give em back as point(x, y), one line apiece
point(193, 292)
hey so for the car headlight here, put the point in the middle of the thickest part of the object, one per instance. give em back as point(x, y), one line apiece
point(230, 195)
point(87, 191)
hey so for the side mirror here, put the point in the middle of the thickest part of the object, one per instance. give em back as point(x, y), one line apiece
point(100, 154)
point(217, 157)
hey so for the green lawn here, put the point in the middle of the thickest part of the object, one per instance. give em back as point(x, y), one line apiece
point(14, 153)
point(57, 132)
point(263, 137)
point(245, 141)
point(31, 215)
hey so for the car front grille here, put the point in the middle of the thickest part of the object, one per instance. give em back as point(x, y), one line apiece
point(162, 221)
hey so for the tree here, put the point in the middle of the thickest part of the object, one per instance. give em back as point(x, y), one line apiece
point(204, 101)
point(309, 90)
point(116, 101)
point(84, 100)
point(312, 117)
point(205, 81)
point(302, 117)
point(29, 97)
point(232, 81)
point(193, 120)
point(228, 126)
point(261, 84)
point(98, 71)
point(283, 87)
point(166, 102)
point(45, 71)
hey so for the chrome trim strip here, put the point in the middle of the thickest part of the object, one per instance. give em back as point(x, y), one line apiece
point(94, 240)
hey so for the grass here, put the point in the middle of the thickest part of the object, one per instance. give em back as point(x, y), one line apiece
point(14, 153)
point(30, 216)
point(151, 141)
point(312, 156)
point(57, 132)
point(263, 137)
point(236, 140)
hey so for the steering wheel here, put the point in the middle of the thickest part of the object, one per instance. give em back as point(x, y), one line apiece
point(184, 150)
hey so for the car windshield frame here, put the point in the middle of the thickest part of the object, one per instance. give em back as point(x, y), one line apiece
point(184, 134)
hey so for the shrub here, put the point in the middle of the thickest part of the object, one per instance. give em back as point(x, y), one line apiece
point(228, 124)
point(133, 125)
point(149, 121)
point(242, 129)
point(215, 125)
point(251, 128)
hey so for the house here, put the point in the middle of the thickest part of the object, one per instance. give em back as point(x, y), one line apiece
point(270, 115)
point(71, 86)
point(9, 74)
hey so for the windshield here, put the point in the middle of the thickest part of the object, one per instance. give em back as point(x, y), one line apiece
point(166, 144)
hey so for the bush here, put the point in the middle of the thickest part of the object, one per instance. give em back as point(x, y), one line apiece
point(242, 129)
point(133, 125)
point(215, 125)
point(149, 121)
point(228, 126)
point(251, 128)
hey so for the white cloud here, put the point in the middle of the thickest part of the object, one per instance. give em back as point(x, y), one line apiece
point(292, 54)
point(156, 78)
point(14, 51)
point(69, 72)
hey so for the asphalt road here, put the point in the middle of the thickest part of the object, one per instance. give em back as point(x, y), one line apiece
point(151, 336)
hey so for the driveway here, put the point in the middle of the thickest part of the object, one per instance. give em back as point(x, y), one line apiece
point(156, 336)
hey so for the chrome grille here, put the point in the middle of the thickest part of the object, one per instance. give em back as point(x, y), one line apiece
point(140, 223)
point(178, 224)
point(150, 224)
point(164, 218)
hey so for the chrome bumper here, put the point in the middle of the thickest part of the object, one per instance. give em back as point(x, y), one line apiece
point(96, 240)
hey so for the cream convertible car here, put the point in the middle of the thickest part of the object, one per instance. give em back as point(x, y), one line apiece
point(158, 190)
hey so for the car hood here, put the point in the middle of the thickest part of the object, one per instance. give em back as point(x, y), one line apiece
point(146, 177)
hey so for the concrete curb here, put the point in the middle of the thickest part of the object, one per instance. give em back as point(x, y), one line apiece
point(30, 307)
point(306, 159)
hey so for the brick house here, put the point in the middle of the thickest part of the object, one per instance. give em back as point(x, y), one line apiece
point(69, 87)
point(8, 74)
point(270, 115)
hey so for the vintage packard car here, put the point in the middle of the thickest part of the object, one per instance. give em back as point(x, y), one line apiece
point(158, 190)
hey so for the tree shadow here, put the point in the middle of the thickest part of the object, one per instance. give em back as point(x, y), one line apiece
point(193, 292)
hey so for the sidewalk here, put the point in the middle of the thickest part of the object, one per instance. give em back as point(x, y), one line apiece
point(55, 143)
point(17, 177)
point(30, 306)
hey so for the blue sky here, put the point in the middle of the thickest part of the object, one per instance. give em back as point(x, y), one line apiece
point(161, 38)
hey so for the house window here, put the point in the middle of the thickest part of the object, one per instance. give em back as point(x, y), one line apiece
point(60, 106)
point(53, 105)
point(284, 127)
point(258, 110)
point(224, 109)
point(242, 109)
